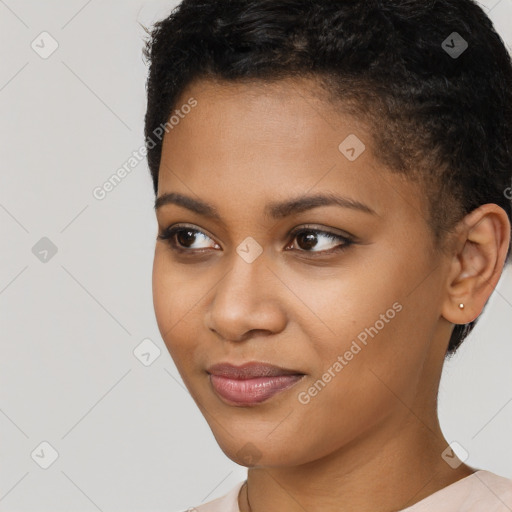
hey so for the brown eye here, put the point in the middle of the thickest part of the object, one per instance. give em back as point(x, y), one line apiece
point(307, 240)
point(319, 241)
point(184, 238)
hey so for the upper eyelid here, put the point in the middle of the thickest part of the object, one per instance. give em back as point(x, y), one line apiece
point(186, 226)
point(327, 231)
point(305, 227)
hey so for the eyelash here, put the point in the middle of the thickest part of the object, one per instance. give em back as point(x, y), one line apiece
point(169, 237)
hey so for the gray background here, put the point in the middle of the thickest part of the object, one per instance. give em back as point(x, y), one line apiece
point(128, 435)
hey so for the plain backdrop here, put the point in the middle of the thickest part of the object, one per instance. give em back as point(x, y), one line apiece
point(90, 419)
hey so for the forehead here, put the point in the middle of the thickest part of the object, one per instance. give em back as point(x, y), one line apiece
point(254, 127)
point(275, 139)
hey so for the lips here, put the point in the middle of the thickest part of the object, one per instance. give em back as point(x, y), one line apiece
point(250, 370)
point(251, 383)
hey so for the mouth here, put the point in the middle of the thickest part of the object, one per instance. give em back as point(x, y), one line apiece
point(251, 383)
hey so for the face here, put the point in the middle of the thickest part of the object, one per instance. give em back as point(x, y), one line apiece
point(346, 293)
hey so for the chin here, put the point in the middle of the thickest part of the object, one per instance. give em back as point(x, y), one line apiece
point(258, 451)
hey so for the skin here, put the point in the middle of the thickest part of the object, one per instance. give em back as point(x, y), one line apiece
point(370, 440)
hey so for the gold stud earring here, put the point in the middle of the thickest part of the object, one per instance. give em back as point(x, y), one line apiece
point(461, 306)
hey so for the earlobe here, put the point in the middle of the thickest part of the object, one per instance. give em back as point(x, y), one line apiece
point(459, 312)
point(477, 263)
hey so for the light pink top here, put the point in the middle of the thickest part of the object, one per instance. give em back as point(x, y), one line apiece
point(481, 491)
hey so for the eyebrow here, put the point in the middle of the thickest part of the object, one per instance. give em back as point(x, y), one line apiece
point(276, 210)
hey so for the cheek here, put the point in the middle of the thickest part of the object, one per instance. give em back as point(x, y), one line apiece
point(372, 322)
point(345, 398)
point(177, 301)
point(173, 300)
point(162, 293)
point(340, 306)
point(174, 296)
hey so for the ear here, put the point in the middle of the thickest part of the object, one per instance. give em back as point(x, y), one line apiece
point(477, 264)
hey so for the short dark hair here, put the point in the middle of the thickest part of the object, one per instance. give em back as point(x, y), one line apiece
point(436, 115)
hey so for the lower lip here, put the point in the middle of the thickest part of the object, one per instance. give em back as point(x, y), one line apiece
point(251, 391)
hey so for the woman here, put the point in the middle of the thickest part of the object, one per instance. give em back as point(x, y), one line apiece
point(333, 206)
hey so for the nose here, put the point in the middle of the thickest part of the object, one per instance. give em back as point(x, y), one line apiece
point(247, 301)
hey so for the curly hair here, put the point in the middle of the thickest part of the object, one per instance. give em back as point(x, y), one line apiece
point(440, 117)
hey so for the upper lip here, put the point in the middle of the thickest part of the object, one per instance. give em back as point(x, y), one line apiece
point(250, 370)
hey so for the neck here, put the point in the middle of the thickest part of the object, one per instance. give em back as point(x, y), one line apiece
point(402, 465)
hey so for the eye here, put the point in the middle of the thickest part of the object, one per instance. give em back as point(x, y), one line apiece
point(319, 241)
point(308, 239)
point(183, 239)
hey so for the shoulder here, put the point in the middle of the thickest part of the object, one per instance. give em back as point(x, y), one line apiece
point(226, 503)
point(482, 491)
point(492, 491)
